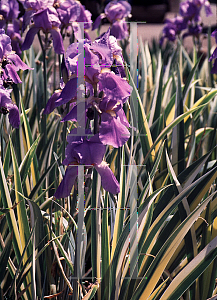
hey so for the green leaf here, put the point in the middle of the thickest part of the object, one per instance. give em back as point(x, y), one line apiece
point(5, 254)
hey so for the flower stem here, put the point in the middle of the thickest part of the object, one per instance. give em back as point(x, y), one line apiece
point(44, 117)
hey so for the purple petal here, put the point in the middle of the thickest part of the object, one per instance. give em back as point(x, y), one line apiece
point(14, 116)
point(112, 131)
point(108, 180)
point(90, 152)
point(29, 38)
point(214, 55)
point(72, 115)
point(6, 102)
point(67, 183)
point(119, 30)
point(19, 64)
point(51, 104)
point(98, 21)
point(57, 41)
point(10, 71)
point(120, 113)
point(104, 54)
point(114, 85)
point(69, 92)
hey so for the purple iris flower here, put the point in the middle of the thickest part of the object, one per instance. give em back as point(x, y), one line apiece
point(85, 17)
point(214, 55)
point(191, 9)
point(87, 152)
point(97, 57)
point(9, 61)
point(8, 107)
point(68, 11)
point(9, 10)
point(46, 20)
point(189, 19)
point(116, 12)
point(173, 28)
point(31, 7)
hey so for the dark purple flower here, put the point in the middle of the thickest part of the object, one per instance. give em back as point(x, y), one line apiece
point(46, 20)
point(191, 9)
point(9, 61)
point(116, 12)
point(68, 11)
point(8, 107)
point(193, 31)
point(173, 28)
point(87, 152)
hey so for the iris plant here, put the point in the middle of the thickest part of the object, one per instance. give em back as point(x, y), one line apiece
point(106, 91)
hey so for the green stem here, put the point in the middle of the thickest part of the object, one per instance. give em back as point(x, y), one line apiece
point(44, 117)
point(65, 132)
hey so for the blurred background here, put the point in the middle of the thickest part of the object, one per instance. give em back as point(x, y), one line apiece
point(150, 16)
point(153, 11)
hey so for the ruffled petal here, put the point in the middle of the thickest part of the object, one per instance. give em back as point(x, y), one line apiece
point(112, 131)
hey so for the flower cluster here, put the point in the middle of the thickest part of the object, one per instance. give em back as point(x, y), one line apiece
point(10, 63)
point(53, 17)
point(189, 20)
point(106, 91)
point(116, 12)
